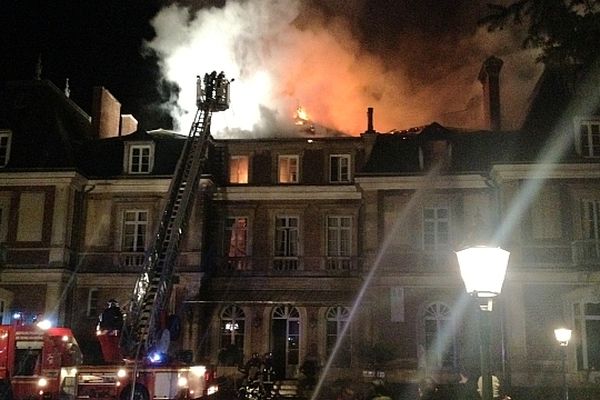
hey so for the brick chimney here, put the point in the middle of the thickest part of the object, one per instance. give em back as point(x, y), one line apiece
point(106, 113)
point(128, 124)
point(489, 76)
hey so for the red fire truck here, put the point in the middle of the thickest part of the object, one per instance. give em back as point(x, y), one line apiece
point(45, 364)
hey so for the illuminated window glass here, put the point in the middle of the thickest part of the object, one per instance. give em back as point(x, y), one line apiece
point(288, 169)
point(5, 142)
point(339, 168)
point(236, 243)
point(238, 169)
point(233, 324)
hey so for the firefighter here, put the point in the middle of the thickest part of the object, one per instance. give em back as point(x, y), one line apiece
point(111, 318)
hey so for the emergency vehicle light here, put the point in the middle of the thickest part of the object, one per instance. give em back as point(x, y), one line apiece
point(156, 357)
point(44, 324)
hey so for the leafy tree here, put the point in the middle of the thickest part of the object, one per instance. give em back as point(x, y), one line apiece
point(567, 31)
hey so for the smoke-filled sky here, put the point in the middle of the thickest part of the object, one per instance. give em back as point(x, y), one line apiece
point(414, 62)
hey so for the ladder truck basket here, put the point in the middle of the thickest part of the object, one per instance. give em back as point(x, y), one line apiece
point(212, 92)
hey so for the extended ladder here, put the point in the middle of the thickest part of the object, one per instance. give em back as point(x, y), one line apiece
point(153, 286)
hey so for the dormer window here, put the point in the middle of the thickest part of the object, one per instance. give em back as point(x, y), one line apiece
point(5, 141)
point(588, 142)
point(288, 169)
point(339, 168)
point(139, 158)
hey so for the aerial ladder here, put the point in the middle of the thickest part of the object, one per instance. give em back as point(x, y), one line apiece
point(152, 290)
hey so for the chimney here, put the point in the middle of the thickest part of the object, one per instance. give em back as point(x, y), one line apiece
point(128, 124)
point(370, 119)
point(489, 76)
point(106, 113)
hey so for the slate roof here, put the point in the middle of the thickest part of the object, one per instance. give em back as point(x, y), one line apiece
point(48, 128)
point(104, 158)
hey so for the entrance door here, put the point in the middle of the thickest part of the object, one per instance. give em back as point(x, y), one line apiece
point(285, 340)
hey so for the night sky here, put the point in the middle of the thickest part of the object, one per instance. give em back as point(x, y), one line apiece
point(427, 42)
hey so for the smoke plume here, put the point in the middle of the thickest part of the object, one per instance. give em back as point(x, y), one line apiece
point(287, 53)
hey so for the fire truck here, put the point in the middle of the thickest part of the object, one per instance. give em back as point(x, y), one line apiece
point(38, 363)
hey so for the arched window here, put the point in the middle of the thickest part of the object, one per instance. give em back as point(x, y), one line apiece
point(438, 336)
point(232, 335)
point(337, 318)
point(285, 333)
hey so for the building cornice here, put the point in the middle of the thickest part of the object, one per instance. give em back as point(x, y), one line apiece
point(125, 185)
point(505, 173)
point(471, 181)
point(301, 192)
point(42, 178)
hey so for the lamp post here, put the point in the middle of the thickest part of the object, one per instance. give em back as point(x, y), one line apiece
point(483, 269)
point(563, 335)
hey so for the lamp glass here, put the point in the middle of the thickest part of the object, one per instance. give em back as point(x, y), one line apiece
point(483, 269)
point(563, 335)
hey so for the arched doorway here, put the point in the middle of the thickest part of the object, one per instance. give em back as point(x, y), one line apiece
point(285, 340)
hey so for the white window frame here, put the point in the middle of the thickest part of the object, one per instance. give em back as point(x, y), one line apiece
point(433, 227)
point(137, 222)
point(432, 354)
point(233, 321)
point(234, 161)
point(585, 135)
point(340, 176)
point(137, 168)
point(581, 320)
point(289, 235)
point(338, 238)
point(336, 319)
point(5, 146)
point(92, 306)
point(288, 168)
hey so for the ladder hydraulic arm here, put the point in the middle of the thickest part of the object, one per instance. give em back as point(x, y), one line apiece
point(153, 286)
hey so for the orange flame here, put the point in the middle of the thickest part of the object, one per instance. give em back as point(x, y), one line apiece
point(301, 116)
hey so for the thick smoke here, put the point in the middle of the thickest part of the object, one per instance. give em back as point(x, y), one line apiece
point(283, 54)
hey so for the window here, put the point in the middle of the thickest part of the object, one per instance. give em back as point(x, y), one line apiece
point(4, 214)
point(589, 248)
point(5, 141)
point(438, 336)
point(435, 228)
point(232, 335)
point(587, 330)
point(236, 243)
point(339, 168)
point(285, 331)
point(288, 169)
point(141, 158)
point(238, 169)
point(589, 138)
point(337, 318)
point(135, 227)
point(339, 242)
point(286, 243)
point(92, 303)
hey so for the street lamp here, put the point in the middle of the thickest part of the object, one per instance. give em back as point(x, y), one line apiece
point(563, 335)
point(483, 270)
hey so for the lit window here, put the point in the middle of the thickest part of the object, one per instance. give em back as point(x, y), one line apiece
point(589, 138)
point(135, 227)
point(141, 158)
point(438, 336)
point(337, 318)
point(288, 169)
point(339, 168)
point(238, 169)
point(286, 243)
point(232, 335)
point(236, 242)
point(435, 228)
point(5, 141)
point(339, 242)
